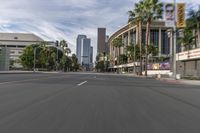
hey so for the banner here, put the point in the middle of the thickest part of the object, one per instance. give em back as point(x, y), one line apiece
point(169, 14)
point(181, 15)
point(159, 66)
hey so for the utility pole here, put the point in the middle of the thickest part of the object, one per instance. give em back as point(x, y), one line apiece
point(174, 59)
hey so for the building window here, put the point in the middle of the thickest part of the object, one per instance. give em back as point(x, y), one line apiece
point(15, 38)
point(165, 46)
point(133, 38)
point(154, 37)
point(12, 52)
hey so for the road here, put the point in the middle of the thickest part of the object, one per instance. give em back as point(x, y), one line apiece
point(96, 103)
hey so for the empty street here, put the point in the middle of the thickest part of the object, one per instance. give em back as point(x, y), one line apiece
point(96, 103)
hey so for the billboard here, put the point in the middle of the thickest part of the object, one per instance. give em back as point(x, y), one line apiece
point(181, 15)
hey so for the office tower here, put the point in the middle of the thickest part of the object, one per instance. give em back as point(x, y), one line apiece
point(78, 47)
point(85, 52)
point(101, 40)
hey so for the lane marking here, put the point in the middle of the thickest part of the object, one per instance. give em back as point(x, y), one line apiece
point(82, 83)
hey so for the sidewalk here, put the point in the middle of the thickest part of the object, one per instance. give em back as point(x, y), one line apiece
point(181, 81)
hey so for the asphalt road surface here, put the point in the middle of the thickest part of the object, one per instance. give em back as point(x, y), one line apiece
point(96, 103)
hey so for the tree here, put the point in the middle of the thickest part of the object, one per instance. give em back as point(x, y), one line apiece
point(152, 10)
point(100, 66)
point(137, 16)
point(45, 56)
point(75, 65)
point(65, 63)
point(123, 59)
point(118, 43)
point(27, 57)
point(193, 22)
point(65, 47)
point(137, 53)
point(187, 39)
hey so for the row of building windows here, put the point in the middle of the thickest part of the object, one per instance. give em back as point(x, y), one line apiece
point(154, 39)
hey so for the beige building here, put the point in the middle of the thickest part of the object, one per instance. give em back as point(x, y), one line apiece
point(12, 45)
point(130, 36)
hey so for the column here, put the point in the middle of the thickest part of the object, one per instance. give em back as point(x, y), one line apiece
point(129, 38)
point(122, 48)
point(137, 35)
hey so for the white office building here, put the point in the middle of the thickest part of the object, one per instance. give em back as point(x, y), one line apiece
point(12, 45)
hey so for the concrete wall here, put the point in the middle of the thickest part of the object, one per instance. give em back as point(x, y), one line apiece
point(4, 59)
point(189, 68)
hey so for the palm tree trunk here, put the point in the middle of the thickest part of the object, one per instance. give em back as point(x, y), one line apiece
point(140, 44)
point(147, 43)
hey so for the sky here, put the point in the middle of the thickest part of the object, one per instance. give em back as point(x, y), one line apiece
point(65, 19)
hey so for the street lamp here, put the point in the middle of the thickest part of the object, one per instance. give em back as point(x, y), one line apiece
point(174, 28)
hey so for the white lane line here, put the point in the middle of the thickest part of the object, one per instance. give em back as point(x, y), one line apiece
point(82, 83)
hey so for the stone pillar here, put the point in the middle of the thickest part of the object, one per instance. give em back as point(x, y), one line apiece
point(137, 35)
point(129, 38)
point(122, 48)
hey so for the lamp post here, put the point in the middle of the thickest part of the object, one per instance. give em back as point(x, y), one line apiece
point(174, 51)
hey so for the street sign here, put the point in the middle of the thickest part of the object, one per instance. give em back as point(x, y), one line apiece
point(181, 15)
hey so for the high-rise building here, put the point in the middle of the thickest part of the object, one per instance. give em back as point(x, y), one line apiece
point(78, 47)
point(85, 52)
point(101, 41)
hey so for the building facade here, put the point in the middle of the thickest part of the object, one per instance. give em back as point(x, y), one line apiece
point(12, 45)
point(79, 46)
point(102, 46)
point(130, 35)
point(188, 63)
point(85, 53)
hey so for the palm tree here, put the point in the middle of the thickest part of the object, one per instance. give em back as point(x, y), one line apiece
point(137, 16)
point(193, 22)
point(187, 39)
point(152, 11)
point(65, 47)
point(118, 43)
point(66, 52)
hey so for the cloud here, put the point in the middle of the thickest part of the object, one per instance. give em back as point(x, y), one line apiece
point(65, 19)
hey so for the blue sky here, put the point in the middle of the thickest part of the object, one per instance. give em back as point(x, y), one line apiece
point(65, 19)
